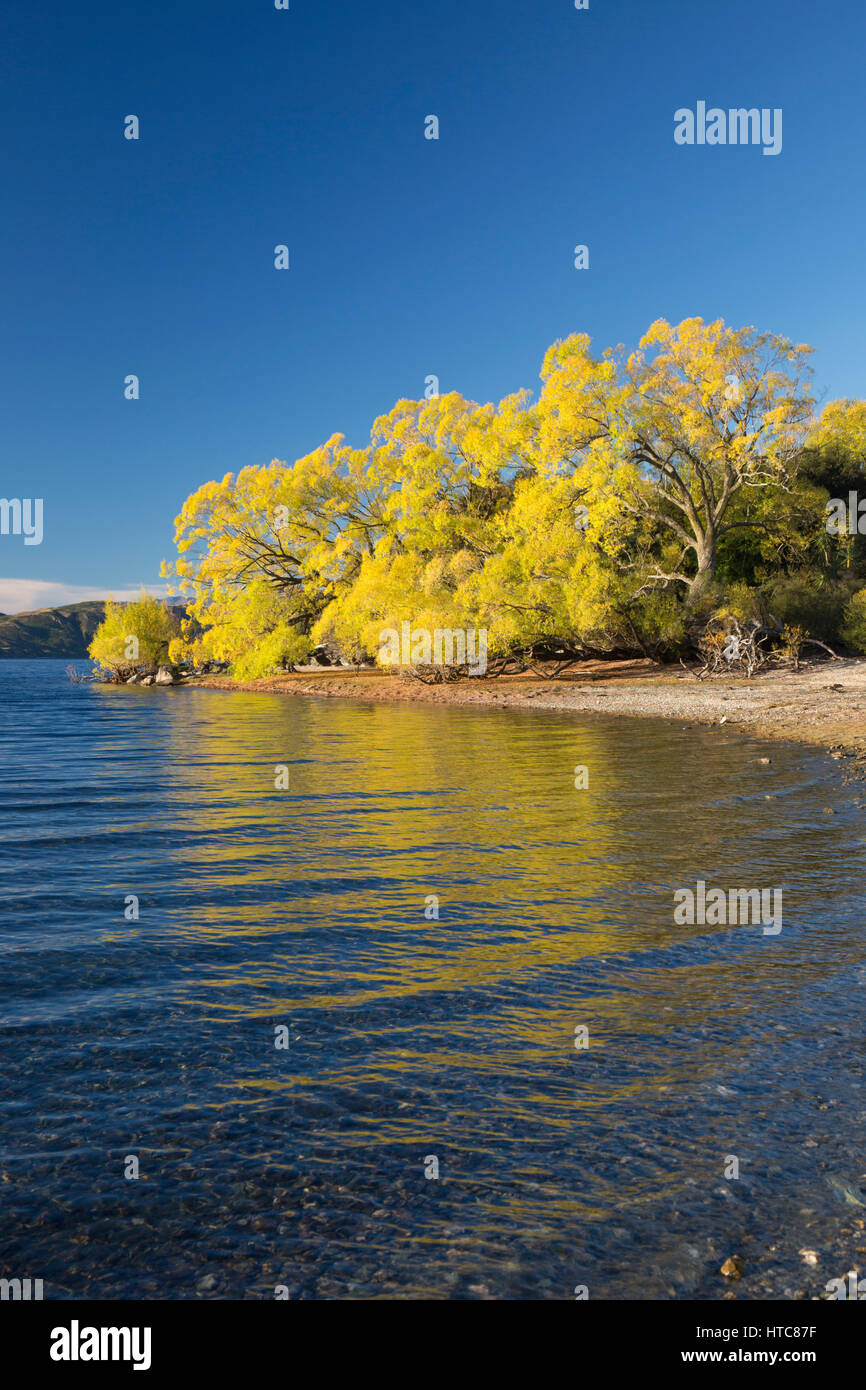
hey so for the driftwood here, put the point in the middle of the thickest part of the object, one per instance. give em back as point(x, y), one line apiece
point(732, 648)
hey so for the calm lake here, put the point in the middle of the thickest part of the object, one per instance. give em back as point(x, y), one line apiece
point(412, 1039)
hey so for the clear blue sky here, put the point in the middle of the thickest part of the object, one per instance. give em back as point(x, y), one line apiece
point(408, 256)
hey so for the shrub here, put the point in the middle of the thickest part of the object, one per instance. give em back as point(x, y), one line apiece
point(801, 601)
point(133, 635)
point(854, 624)
point(742, 603)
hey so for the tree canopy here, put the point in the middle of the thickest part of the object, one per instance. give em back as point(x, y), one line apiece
point(637, 488)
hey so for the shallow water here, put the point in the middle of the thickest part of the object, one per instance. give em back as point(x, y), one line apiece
point(413, 1038)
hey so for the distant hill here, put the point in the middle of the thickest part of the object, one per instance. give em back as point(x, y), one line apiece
point(55, 632)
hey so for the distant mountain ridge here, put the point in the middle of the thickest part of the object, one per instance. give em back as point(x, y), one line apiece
point(55, 632)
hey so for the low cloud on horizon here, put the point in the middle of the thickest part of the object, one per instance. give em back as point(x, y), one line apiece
point(26, 595)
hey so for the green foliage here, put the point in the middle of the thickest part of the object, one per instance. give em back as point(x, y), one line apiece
point(807, 601)
point(854, 623)
point(742, 603)
point(791, 643)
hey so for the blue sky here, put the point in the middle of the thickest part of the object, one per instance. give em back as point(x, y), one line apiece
point(408, 256)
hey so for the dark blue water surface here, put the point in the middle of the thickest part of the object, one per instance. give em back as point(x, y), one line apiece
point(413, 1038)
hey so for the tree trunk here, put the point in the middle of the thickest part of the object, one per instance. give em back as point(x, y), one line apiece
point(703, 580)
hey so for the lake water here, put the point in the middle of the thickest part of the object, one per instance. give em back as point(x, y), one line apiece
point(413, 1038)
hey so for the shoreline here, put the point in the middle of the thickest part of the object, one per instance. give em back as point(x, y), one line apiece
point(823, 705)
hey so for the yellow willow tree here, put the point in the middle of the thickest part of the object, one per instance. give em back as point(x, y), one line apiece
point(133, 635)
point(835, 463)
point(263, 552)
point(564, 558)
point(481, 533)
point(698, 413)
point(441, 460)
point(841, 426)
point(437, 465)
point(572, 519)
point(564, 578)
